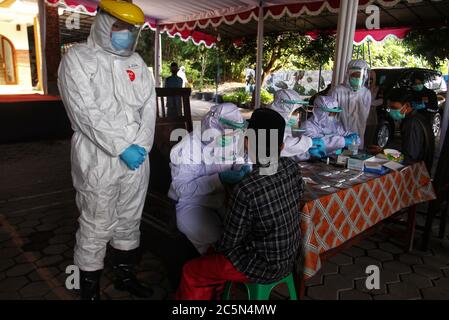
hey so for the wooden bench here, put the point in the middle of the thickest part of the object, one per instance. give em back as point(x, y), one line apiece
point(159, 211)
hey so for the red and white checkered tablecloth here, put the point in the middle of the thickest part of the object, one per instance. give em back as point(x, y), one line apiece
point(333, 215)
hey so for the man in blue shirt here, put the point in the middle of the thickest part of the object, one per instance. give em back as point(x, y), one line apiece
point(174, 108)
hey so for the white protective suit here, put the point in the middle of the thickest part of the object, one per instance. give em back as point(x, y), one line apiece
point(196, 185)
point(182, 74)
point(284, 104)
point(111, 102)
point(355, 104)
point(323, 126)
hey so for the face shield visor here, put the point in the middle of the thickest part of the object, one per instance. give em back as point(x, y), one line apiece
point(294, 116)
point(230, 124)
point(356, 78)
point(124, 37)
point(114, 35)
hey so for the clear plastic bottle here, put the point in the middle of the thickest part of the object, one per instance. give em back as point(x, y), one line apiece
point(354, 147)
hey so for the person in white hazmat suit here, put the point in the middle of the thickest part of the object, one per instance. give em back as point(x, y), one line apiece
point(202, 163)
point(354, 99)
point(109, 96)
point(285, 103)
point(324, 124)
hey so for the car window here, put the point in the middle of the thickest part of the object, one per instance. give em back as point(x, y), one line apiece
point(405, 80)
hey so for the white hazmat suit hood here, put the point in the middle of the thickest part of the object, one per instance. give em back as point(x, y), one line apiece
point(221, 117)
point(357, 66)
point(110, 100)
point(100, 35)
point(285, 103)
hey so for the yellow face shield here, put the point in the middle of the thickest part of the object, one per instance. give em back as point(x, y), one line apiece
point(123, 11)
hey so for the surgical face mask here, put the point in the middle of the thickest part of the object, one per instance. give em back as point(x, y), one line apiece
point(292, 122)
point(332, 119)
point(225, 149)
point(396, 114)
point(356, 83)
point(225, 141)
point(418, 87)
point(122, 40)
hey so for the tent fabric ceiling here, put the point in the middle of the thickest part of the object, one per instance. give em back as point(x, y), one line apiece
point(193, 13)
point(202, 21)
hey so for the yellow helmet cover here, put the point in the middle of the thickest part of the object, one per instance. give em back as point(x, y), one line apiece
point(122, 10)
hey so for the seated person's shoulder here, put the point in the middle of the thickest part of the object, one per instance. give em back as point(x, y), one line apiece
point(291, 165)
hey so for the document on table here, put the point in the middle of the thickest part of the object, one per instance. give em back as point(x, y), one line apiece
point(308, 180)
point(393, 165)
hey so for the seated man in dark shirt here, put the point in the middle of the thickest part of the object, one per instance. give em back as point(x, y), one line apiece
point(418, 141)
point(262, 227)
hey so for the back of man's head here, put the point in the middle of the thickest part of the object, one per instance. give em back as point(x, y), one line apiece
point(401, 95)
point(418, 76)
point(267, 126)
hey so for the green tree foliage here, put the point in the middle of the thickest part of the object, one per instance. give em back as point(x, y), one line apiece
point(145, 47)
point(431, 45)
point(389, 53)
point(278, 50)
point(316, 53)
point(288, 51)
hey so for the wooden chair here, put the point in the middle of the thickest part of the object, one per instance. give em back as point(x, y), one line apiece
point(159, 211)
point(440, 205)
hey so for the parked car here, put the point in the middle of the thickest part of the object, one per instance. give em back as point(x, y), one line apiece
point(390, 78)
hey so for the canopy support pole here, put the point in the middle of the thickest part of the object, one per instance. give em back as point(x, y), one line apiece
point(444, 127)
point(347, 20)
point(259, 59)
point(369, 55)
point(157, 57)
point(42, 36)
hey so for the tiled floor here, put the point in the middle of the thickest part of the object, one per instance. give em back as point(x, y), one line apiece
point(38, 222)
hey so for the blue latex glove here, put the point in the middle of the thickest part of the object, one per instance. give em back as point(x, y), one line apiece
point(133, 156)
point(418, 105)
point(318, 149)
point(350, 138)
point(318, 143)
point(348, 141)
point(234, 177)
point(317, 153)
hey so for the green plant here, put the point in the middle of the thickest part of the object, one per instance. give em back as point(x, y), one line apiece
point(239, 97)
point(266, 97)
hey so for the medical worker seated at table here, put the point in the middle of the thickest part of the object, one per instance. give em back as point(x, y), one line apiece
point(262, 228)
point(417, 138)
point(324, 124)
point(202, 163)
point(354, 99)
point(286, 102)
point(109, 96)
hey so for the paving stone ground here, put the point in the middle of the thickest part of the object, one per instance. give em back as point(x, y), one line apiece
point(38, 220)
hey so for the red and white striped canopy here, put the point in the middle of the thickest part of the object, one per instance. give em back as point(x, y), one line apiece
point(186, 18)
